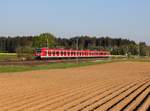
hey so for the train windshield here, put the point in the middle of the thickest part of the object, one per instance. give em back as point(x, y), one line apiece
point(38, 50)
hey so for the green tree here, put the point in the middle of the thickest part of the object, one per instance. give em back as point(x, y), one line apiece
point(142, 49)
point(44, 40)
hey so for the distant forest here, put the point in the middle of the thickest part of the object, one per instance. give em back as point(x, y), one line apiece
point(116, 46)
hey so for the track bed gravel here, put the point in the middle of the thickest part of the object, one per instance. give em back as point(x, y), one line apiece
point(107, 87)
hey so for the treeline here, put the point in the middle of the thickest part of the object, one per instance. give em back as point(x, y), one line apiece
point(116, 46)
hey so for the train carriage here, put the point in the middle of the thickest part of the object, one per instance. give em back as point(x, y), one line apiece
point(49, 53)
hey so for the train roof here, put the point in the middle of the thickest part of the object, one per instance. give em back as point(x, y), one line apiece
point(68, 49)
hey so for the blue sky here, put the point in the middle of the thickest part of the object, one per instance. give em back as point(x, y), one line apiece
point(67, 18)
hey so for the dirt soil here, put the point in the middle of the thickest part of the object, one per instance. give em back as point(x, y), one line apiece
point(111, 86)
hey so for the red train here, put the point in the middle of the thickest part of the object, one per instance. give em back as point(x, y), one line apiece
point(44, 53)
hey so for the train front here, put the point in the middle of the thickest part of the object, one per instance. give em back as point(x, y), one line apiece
point(38, 53)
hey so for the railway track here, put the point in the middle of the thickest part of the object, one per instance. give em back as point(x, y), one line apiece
point(40, 62)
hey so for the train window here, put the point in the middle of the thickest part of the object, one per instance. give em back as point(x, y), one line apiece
point(83, 53)
point(38, 50)
point(68, 53)
point(62, 53)
point(57, 53)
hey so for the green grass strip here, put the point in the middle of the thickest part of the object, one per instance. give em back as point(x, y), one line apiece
point(14, 68)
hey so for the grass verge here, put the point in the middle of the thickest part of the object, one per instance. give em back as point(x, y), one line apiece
point(14, 68)
point(8, 56)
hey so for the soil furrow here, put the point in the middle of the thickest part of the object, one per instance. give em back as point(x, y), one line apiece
point(129, 99)
point(114, 101)
point(97, 97)
point(73, 98)
point(85, 98)
point(45, 97)
point(139, 101)
point(112, 95)
point(146, 105)
point(49, 101)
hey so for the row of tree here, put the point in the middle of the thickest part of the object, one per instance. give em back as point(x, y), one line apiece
point(116, 46)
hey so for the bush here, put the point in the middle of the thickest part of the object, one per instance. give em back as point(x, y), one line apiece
point(25, 53)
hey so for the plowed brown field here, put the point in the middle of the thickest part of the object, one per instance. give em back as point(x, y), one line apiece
point(122, 86)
